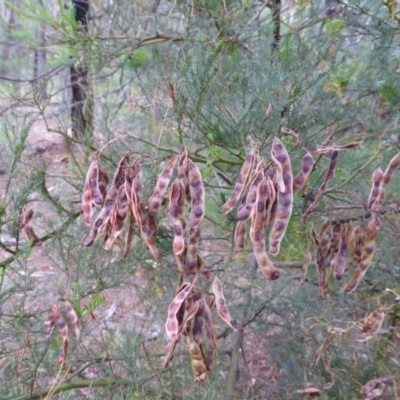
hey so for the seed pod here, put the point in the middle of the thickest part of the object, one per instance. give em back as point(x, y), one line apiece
point(198, 360)
point(136, 198)
point(182, 172)
point(292, 133)
point(197, 196)
point(87, 207)
point(377, 206)
point(199, 323)
point(176, 209)
point(191, 255)
point(155, 200)
point(103, 183)
point(24, 224)
point(259, 212)
point(394, 163)
point(59, 321)
point(121, 211)
point(372, 324)
point(129, 236)
point(94, 176)
point(270, 111)
point(204, 270)
point(104, 216)
point(335, 239)
point(119, 175)
point(172, 324)
point(366, 258)
point(328, 176)
point(271, 204)
point(170, 354)
point(241, 183)
point(210, 338)
point(356, 243)
point(306, 263)
point(221, 305)
point(307, 165)
point(284, 198)
point(240, 236)
point(377, 178)
point(73, 319)
point(339, 260)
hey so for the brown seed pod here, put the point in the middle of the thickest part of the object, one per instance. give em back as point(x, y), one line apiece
point(87, 207)
point(377, 178)
point(241, 183)
point(58, 320)
point(284, 198)
point(394, 163)
point(197, 196)
point(356, 243)
point(119, 175)
point(221, 305)
point(328, 176)
point(172, 324)
point(240, 235)
point(339, 260)
point(24, 224)
point(103, 217)
point(191, 261)
point(103, 183)
point(372, 324)
point(306, 263)
point(182, 172)
point(366, 258)
point(73, 319)
point(292, 133)
point(210, 337)
point(307, 165)
point(197, 360)
point(129, 236)
point(94, 177)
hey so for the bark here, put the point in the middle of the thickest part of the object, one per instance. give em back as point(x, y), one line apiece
point(39, 65)
point(276, 21)
point(81, 108)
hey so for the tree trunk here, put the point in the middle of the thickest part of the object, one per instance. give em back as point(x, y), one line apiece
point(276, 21)
point(81, 108)
point(39, 65)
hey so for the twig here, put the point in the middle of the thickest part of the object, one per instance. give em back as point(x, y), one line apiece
point(234, 364)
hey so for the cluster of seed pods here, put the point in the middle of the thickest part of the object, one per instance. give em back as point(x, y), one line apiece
point(55, 319)
point(264, 195)
point(338, 245)
point(25, 225)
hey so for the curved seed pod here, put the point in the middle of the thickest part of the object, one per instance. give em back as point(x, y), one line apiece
point(155, 200)
point(339, 261)
point(241, 183)
point(328, 176)
point(292, 133)
point(170, 354)
point(197, 196)
point(307, 165)
point(377, 178)
point(172, 324)
point(121, 208)
point(73, 319)
point(210, 338)
point(220, 303)
point(103, 217)
point(87, 207)
point(284, 198)
point(240, 235)
point(377, 206)
point(198, 361)
point(394, 163)
point(372, 324)
point(324, 150)
point(366, 258)
point(94, 176)
point(119, 175)
point(59, 321)
point(278, 179)
point(270, 111)
point(323, 228)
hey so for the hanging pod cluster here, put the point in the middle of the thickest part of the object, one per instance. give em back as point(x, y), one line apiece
point(263, 194)
point(189, 314)
point(339, 245)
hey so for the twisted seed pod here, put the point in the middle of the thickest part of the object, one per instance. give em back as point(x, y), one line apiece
point(210, 337)
point(339, 261)
point(103, 183)
point(121, 212)
point(59, 321)
point(394, 163)
point(87, 207)
point(372, 325)
point(73, 319)
point(220, 303)
point(377, 178)
point(119, 175)
point(328, 176)
point(284, 198)
point(94, 177)
point(172, 324)
point(240, 235)
point(197, 360)
point(366, 258)
point(103, 217)
point(241, 182)
point(324, 150)
point(25, 219)
point(307, 165)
